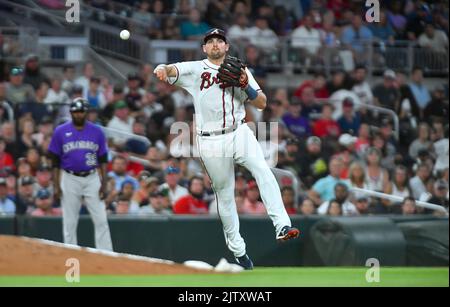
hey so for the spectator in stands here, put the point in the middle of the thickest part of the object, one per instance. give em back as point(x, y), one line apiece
point(17, 91)
point(339, 80)
point(192, 203)
point(307, 39)
point(122, 205)
point(356, 36)
point(171, 188)
point(408, 206)
point(7, 206)
point(440, 194)
point(218, 13)
point(6, 107)
point(142, 15)
point(252, 204)
point(422, 141)
point(440, 148)
point(398, 186)
point(68, 78)
point(121, 121)
point(33, 75)
point(134, 145)
point(318, 84)
point(310, 108)
point(94, 95)
point(155, 205)
point(377, 177)
point(417, 21)
point(283, 21)
point(26, 140)
point(55, 93)
point(6, 160)
point(438, 107)
point(313, 162)
point(43, 179)
point(386, 95)
point(25, 199)
point(118, 173)
point(289, 201)
point(418, 182)
point(419, 91)
point(363, 141)
point(147, 185)
point(382, 30)
point(8, 134)
point(195, 28)
point(357, 179)
point(386, 149)
point(295, 122)
point(83, 81)
point(361, 87)
point(307, 207)
point(334, 209)
point(107, 113)
point(342, 194)
point(326, 126)
point(238, 32)
point(44, 204)
point(23, 167)
point(433, 39)
point(262, 36)
point(323, 189)
point(36, 107)
point(253, 61)
point(346, 151)
point(362, 204)
point(396, 17)
point(350, 121)
point(134, 92)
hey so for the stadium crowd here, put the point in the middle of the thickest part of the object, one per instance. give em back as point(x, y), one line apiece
point(326, 135)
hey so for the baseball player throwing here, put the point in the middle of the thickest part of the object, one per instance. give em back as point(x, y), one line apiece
point(220, 85)
point(78, 148)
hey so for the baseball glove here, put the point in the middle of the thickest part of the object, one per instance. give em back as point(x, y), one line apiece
point(232, 73)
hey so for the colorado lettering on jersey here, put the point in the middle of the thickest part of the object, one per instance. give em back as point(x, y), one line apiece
point(206, 81)
point(80, 145)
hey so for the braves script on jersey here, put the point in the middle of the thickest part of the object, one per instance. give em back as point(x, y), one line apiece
point(215, 107)
point(78, 149)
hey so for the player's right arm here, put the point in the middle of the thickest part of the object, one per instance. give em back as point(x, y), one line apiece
point(163, 72)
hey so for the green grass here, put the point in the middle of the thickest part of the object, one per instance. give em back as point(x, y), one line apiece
point(260, 277)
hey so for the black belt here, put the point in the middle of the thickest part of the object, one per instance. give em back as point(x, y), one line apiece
point(81, 174)
point(223, 131)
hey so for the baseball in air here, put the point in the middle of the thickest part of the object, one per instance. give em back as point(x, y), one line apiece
point(124, 34)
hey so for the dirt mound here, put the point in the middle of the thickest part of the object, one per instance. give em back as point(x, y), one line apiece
point(25, 256)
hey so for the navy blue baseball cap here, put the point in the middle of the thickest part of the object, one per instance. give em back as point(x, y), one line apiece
point(79, 105)
point(172, 170)
point(215, 32)
point(43, 194)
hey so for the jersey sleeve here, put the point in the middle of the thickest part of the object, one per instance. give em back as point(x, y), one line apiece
point(55, 143)
point(251, 80)
point(102, 146)
point(184, 72)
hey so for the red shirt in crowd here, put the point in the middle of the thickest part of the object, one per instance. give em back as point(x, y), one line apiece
point(291, 211)
point(319, 93)
point(326, 127)
point(6, 161)
point(190, 205)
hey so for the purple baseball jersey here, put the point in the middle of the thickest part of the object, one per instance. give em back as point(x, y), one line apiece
point(78, 150)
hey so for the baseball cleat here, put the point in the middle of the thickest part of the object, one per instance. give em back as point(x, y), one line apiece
point(287, 233)
point(245, 262)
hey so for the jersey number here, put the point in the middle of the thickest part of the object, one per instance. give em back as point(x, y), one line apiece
point(91, 159)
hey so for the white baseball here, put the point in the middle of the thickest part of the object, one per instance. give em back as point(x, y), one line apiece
point(124, 34)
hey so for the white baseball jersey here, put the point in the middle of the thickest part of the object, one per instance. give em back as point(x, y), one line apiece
point(216, 108)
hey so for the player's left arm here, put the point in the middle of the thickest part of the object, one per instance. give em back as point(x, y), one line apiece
point(254, 93)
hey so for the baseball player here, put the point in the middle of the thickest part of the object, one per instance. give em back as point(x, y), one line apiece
point(220, 85)
point(79, 152)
